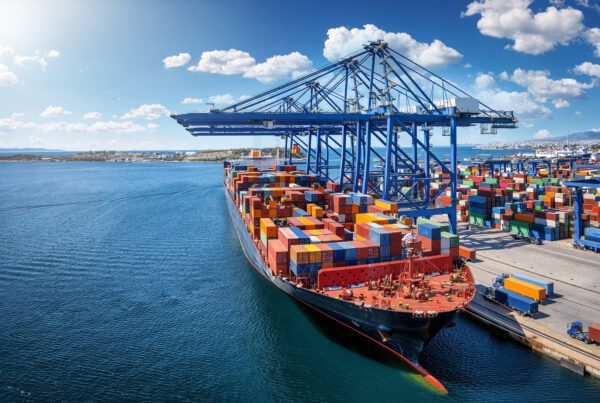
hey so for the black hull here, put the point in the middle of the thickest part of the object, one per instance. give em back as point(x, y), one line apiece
point(398, 332)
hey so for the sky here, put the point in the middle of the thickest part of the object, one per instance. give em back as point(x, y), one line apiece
point(105, 75)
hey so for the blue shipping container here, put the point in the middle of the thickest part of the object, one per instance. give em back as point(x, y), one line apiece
point(516, 301)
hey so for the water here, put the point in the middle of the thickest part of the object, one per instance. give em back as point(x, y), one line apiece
point(126, 282)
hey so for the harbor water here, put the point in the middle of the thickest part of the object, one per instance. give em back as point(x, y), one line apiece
point(127, 282)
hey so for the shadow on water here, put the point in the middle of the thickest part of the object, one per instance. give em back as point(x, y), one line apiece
point(351, 340)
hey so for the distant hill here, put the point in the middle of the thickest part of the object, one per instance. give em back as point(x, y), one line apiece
point(590, 135)
point(29, 150)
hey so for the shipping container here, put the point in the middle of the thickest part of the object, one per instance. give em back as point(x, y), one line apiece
point(548, 285)
point(516, 301)
point(524, 288)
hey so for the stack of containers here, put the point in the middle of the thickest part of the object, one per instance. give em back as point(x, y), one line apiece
point(278, 257)
point(343, 208)
point(449, 244)
point(268, 230)
point(315, 197)
point(430, 236)
point(362, 200)
point(478, 209)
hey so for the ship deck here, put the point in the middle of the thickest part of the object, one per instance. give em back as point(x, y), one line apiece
point(443, 296)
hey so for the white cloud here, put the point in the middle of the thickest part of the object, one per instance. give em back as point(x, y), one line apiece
point(541, 134)
point(467, 65)
point(7, 77)
point(592, 36)
point(540, 85)
point(561, 103)
point(587, 68)
point(6, 50)
point(54, 111)
point(237, 62)
point(16, 122)
point(226, 99)
point(342, 41)
point(589, 4)
point(147, 111)
point(522, 103)
point(532, 33)
point(176, 60)
point(578, 114)
point(226, 62)
point(280, 66)
point(92, 115)
point(191, 101)
point(38, 58)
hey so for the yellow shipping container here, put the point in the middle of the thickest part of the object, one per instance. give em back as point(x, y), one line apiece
point(268, 227)
point(524, 288)
point(391, 206)
point(309, 208)
point(317, 212)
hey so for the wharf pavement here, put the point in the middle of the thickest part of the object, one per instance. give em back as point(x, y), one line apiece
point(576, 277)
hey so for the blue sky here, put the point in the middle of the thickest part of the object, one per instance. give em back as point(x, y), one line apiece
point(81, 75)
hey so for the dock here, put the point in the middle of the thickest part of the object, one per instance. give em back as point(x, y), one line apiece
point(576, 277)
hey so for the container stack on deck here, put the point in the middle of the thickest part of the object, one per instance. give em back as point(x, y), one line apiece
point(301, 227)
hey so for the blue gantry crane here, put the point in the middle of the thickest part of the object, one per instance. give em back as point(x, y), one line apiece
point(352, 113)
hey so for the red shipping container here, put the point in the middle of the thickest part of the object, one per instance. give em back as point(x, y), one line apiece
point(594, 332)
point(278, 251)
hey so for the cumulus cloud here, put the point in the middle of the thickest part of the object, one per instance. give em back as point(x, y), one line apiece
point(342, 41)
point(541, 134)
point(540, 85)
point(531, 33)
point(54, 111)
point(16, 122)
point(237, 62)
point(226, 62)
point(7, 77)
point(38, 58)
point(592, 36)
point(226, 99)
point(176, 60)
point(92, 115)
point(521, 102)
point(589, 69)
point(147, 111)
point(561, 103)
point(191, 101)
point(277, 67)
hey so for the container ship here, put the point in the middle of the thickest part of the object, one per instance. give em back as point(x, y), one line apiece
point(346, 256)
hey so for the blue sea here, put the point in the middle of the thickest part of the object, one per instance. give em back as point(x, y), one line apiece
point(126, 282)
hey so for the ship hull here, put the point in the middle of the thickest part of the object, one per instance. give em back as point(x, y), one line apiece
point(398, 332)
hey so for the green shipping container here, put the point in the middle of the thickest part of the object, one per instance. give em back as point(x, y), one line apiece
point(454, 240)
point(519, 227)
point(477, 219)
point(493, 181)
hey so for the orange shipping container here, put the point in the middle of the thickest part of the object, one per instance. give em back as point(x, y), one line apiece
point(467, 253)
point(268, 227)
point(524, 288)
